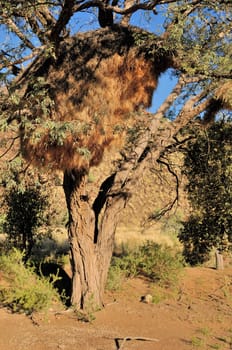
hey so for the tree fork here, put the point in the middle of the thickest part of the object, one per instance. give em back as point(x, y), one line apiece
point(91, 242)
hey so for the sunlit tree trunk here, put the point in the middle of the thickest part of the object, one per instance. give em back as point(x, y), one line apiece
point(91, 242)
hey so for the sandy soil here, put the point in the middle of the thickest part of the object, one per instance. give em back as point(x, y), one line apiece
point(199, 317)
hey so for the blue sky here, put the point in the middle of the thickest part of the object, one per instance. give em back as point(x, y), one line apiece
point(165, 86)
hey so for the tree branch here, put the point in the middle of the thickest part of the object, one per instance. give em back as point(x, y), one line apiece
point(10, 146)
point(148, 5)
point(126, 168)
point(162, 137)
point(191, 109)
point(8, 21)
point(47, 16)
point(169, 206)
point(124, 340)
point(66, 13)
point(21, 60)
point(37, 29)
point(184, 14)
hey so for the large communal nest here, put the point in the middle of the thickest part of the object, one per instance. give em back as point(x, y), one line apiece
point(95, 84)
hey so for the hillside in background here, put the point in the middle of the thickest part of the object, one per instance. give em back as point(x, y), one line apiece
point(154, 191)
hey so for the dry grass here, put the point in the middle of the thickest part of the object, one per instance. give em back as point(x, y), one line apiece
point(96, 106)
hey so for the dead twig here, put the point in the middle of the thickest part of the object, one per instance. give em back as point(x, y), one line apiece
point(124, 340)
point(9, 148)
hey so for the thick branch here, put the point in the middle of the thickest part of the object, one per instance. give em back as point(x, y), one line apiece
point(148, 5)
point(162, 137)
point(47, 21)
point(64, 17)
point(46, 17)
point(191, 109)
point(123, 175)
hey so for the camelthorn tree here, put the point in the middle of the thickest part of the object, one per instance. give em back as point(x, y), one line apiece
point(69, 95)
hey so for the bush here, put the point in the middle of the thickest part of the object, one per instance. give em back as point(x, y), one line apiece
point(208, 169)
point(196, 241)
point(2, 220)
point(25, 213)
point(115, 278)
point(153, 261)
point(21, 289)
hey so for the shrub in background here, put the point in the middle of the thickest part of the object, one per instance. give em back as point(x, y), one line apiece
point(208, 159)
point(115, 278)
point(24, 214)
point(158, 263)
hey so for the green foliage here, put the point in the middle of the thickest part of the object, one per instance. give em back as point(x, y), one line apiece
point(24, 214)
point(172, 224)
point(158, 263)
point(141, 40)
point(22, 290)
point(10, 174)
point(115, 277)
point(209, 172)
point(2, 220)
point(200, 49)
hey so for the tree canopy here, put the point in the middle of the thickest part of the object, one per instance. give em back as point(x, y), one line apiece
point(197, 33)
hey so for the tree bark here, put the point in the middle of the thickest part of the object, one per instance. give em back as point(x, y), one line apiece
point(91, 242)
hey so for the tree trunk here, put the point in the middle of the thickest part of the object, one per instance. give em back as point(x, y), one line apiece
point(91, 243)
point(219, 260)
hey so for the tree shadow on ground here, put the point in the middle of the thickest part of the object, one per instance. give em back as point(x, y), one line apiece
point(62, 283)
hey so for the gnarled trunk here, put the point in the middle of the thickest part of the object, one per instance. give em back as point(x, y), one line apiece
point(92, 239)
point(91, 242)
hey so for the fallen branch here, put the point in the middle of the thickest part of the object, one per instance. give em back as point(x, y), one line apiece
point(124, 340)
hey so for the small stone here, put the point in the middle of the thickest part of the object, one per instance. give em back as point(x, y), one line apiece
point(147, 298)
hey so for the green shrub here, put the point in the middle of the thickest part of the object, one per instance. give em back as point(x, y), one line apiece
point(21, 289)
point(25, 214)
point(158, 263)
point(208, 169)
point(115, 278)
point(2, 220)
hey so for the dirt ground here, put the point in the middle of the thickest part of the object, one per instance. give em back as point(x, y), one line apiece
point(198, 317)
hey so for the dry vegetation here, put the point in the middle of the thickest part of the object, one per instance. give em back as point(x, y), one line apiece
point(96, 92)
